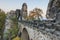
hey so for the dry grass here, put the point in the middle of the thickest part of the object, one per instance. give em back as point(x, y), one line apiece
point(16, 38)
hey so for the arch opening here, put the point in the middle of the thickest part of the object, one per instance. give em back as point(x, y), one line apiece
point(25, 35)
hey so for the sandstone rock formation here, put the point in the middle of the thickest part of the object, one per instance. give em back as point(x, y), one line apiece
point(53, 10)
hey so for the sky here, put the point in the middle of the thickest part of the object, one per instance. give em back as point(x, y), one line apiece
point(8, 5)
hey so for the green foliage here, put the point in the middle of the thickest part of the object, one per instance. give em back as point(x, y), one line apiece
point(2, 22)
point(14, 28)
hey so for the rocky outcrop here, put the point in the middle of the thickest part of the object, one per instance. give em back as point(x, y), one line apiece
point(53, 9)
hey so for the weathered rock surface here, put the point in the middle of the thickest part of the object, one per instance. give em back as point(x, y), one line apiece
point(53, 12)
point(53, 9)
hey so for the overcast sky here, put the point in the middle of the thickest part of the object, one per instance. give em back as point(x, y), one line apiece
point(8, 5)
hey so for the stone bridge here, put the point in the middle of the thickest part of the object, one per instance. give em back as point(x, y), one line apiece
point(37, 31)
point(31, 33)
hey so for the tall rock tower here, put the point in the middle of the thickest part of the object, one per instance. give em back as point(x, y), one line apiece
point(18, 14)
point(50, 13)
point(53, 10)
point(24, 10)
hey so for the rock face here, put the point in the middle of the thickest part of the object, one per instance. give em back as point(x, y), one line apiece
point(24, 11)
point(53, 10)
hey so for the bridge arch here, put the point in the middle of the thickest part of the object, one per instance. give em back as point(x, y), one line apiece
point(25, 35)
